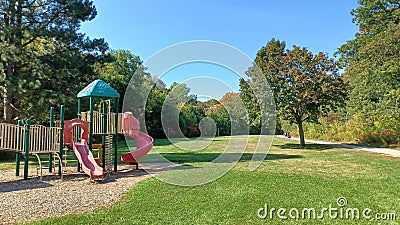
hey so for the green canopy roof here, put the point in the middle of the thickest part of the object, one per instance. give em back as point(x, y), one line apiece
point(98, 88)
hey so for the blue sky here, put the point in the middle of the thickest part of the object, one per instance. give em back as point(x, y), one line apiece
point(147, 26)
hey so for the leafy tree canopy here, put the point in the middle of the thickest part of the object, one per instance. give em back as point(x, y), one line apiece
point(304, 85)
point(44, 60)
point(372, 67)
point(371, 17)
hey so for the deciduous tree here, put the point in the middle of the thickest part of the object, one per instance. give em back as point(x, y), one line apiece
point(304, 85)
point(372, 69)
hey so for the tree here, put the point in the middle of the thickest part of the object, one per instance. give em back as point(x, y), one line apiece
point(252, 106)
point(304, 85)
point(372, 69)
point(220, 115)
point(188, 119)
point(119, 72)
point(258, 118)
point(43, 59)
point(172, 120)
point(154, 104)
point(236, 112)
point(374, 16)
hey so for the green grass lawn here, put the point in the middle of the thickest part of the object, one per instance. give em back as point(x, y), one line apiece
point(314, 177)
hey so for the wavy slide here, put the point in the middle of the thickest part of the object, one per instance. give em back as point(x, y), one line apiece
point(144, 142)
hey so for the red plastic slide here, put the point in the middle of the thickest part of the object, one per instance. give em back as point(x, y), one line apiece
point(86, 159)
point(144, 142)
point(81, 150)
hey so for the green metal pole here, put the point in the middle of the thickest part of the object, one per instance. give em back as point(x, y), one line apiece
point(26, 148)
point(79, 129)
point(103, 136)
point(51, 138)
point(91, 123)
point(61, 139)
point(79, 117)
point(116, 135)
point(79, 108)
point(17, 156)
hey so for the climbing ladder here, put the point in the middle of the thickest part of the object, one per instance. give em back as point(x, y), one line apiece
point(108, 152)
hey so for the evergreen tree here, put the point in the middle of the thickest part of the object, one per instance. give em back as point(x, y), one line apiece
point(44, 60)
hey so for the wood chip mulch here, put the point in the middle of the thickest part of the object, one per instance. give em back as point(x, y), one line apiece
point(32, 199)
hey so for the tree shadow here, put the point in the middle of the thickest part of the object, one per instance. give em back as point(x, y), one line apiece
point(183, 158)
point(162, 142)
point(166, 142)
point(247, 157)
point(316, 147)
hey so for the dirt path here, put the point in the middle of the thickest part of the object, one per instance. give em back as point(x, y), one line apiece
point(383, 151)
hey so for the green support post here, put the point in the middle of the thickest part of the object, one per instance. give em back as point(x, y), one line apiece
point(26, 148)
point(79, 129)
point(51, 138)
point(61, 139)
point(116, 135)
point(103, 136)
point(18, 155)
point(79, 117)
point(91, 123)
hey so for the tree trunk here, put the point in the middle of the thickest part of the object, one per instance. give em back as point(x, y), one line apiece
point(8, 110)
point(301, 133)
point(6, 107)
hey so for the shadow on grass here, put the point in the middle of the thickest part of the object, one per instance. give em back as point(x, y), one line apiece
point(228, 157)
point(316, 147)
point(166, 142)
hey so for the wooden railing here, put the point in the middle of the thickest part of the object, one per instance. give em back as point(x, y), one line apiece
point(41, 138)
point(12, 137)
point(44, 139)
point(98, 122)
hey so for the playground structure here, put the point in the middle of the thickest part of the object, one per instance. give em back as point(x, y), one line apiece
point(25, 139)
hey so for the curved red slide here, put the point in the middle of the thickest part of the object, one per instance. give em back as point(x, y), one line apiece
point(81, 150)
point(144, 142)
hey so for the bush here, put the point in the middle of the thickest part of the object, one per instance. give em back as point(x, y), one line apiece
point(372, 130)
